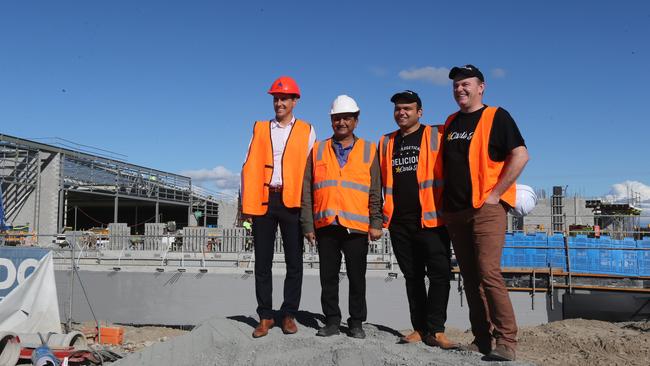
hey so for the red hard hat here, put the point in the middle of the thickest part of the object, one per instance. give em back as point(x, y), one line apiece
point(285, 85)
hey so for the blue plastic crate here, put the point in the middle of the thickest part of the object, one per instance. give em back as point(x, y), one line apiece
point(643, 257)
point(556, 255)
point(508, 253)
point(626, 261)
point(518, 253)
point(578, 241)
point(536, 257)
point(605, 239)
point(582, 258)
point(601, 256)
point(605, 261)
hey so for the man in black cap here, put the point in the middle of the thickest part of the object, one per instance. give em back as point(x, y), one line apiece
point(483, 155)
point(412, 181)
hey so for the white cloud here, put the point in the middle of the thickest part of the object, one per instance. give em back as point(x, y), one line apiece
point(498, 73)
point(433, 75)
point(629, 189)
point(218, 177)
point(622, 192)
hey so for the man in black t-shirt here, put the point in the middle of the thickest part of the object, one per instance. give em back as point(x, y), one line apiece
point(483, 154)
point(409, 162)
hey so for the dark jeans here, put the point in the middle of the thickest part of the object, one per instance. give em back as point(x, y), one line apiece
point(264, 229)
point(419, 252)
point(332, 240)
point(478, 236)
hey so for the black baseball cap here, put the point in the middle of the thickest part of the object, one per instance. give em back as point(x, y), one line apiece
point(468, 71)
point(407, 96)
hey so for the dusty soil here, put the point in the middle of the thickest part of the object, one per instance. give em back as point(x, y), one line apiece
point(137, 337)
point(567, 342)
point(581, 342)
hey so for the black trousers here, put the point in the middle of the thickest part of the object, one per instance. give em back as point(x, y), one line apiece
point(332, 240)
point(419, 252)
point(264, 230)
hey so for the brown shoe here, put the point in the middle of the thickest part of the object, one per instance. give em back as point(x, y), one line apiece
point(413, 337)
point(263, 328)
point(440, 340)
point(289, 325)
point(502, 353)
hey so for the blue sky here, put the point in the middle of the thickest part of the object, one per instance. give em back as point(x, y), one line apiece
point(177, 85)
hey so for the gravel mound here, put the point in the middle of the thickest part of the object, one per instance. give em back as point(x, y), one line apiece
point(228, 341)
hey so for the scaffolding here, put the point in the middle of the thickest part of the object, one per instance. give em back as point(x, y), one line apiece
point(22, 163)
point(557, 206)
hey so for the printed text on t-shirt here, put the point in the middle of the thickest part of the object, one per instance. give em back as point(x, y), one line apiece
point(460, 135)
point(408, 159)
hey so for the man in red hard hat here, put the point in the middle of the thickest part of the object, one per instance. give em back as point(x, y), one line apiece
point(271, 190)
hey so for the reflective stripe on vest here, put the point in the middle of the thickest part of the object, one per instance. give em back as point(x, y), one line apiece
point(344, 184)
point(429, 175)
point(347, 215)
point(342, 192)
point(325, 183)
point(352, 185)
point(431, 215)
point(436, 183)
point(484, 172)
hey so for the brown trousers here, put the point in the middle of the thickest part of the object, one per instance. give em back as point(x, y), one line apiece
point(478, 236)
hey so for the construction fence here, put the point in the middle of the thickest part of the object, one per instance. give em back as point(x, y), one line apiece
point(571, 252)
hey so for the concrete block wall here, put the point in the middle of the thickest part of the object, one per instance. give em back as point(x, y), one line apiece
point(574, 211)
point(49, 197)
point(44, 199)
point(227, 213)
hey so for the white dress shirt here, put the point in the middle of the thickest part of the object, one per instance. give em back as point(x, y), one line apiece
point(279, 137)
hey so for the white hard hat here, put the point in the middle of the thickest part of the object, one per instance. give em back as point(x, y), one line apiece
point(344, 104)
point(526, 201)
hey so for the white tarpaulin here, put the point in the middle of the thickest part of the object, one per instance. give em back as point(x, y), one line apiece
point(28, 300)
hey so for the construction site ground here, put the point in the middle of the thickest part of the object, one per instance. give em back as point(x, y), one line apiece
point(228, 342)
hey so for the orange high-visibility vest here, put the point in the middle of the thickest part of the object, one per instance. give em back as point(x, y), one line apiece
point(342, 192)
point(483, 170)
point(258, 168)
point(429, 175)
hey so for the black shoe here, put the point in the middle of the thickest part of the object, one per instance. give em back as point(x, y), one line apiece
point(357, 332)
point(477, 346)
point(502, 353)
point(328, 330)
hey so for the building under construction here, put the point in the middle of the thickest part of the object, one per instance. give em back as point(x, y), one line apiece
point(579, 215)
point(48, 188)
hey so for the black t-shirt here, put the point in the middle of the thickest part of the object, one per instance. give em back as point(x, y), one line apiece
point(406, 197)
point(504, 137)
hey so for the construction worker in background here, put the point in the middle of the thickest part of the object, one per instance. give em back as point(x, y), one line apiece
point(341, 211)
point(484, 154)
point(248, 226)
point(270, 192)
point(412, 180)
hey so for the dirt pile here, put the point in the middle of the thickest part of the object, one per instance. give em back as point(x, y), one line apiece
point(567, 342)
point(586, 342)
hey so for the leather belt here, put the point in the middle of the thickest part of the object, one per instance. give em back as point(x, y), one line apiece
point(275, 189)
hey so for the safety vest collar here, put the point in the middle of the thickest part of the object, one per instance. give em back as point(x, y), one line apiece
point(328, 143)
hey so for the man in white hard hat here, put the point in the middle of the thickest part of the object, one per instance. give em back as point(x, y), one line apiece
point(341, 211)
point(484, 153)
